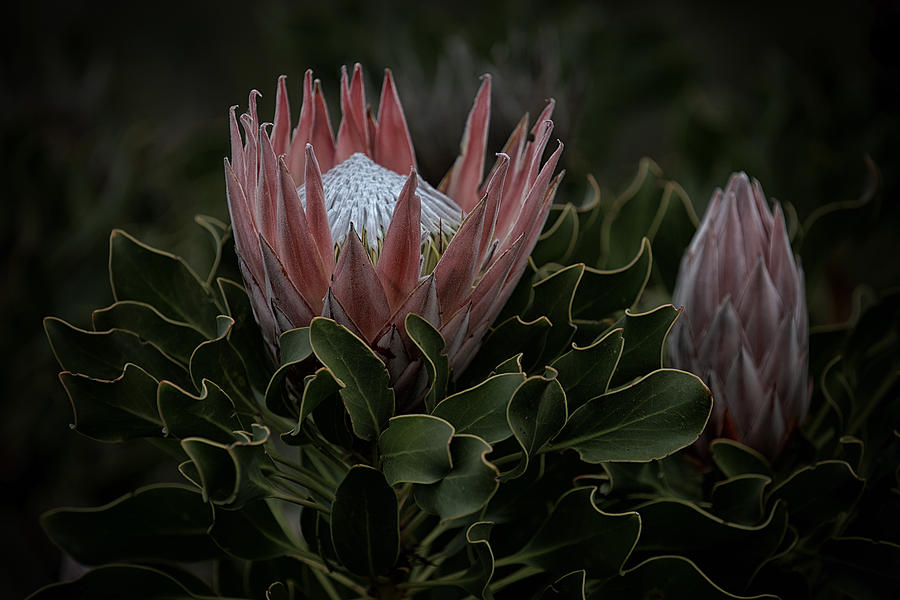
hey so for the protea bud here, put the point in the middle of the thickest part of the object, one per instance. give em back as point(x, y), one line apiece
point(345, 227)
point(744, 330)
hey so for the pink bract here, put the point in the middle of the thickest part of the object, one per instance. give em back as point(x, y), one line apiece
point(745, 329)
point(294, 270)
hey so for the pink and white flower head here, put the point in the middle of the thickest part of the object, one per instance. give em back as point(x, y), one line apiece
point(343, 226)
point(745, 329)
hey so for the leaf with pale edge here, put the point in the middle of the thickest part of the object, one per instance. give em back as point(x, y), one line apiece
point(481, 410)
point(363, 378)
point(467, 487)
point(165, 521)
point(415, 449)
point(432, 346)
point(585, 372)
point(578, 535)
point(650, 419)
point(162, 280)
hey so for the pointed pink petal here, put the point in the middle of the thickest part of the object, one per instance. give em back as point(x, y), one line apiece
point(281, 131)
point(281, 292)
point(316, 215)
point(303, 132)
point(513, 148)
point(393, 147)
point(489, 287)
point(423, 301)
point(357, 288)
point(537, 201)
point(262, 310)
point(353, 132)
point(494, 195)
point(456, 329)
point(237, 145)
point(456, 269)
point(242, 223)
point(780, 259)
point(296, 245)
point(322, 136)
point(267, 187)
point(469, 166)
point(398, 265)
point(519, 186)
point(391, 348)
point(333, 309)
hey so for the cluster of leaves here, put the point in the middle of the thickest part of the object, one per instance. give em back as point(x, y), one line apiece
point(544, 470)
point(821, 523)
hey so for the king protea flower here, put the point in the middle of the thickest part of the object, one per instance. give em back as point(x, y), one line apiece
point(744, 330)
point(346, 228)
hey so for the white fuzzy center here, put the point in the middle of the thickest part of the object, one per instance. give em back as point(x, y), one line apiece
point(364, 193)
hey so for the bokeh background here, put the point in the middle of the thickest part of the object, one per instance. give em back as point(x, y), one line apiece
point(114, 115)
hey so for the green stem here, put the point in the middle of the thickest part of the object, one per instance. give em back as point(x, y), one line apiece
point(326, 585)
point(303, 502)
point(519, 575)
point(511, 458)
point(311, 561)
point(303, 484)
point(308, 482)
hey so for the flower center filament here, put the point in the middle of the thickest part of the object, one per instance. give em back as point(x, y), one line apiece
point(362, 192)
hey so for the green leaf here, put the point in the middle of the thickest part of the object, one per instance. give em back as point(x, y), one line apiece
point(232, 474)
point(631, 214)
point(553, 299)
point(481, 410)
point(218, 361)
point(295, 348)
point(432, 346)
point(178, 340)
point(469, 484)
point(103, 355)
point(415, 449)
point(558, 241)
point(536, 413)
point(162, 280)
point(251, 533)
point(728, 553)
point(868, 568)
point(508, 339)
point(651, 418)
point(220, 234)
point(246, 336)
point(578, 535)
point(584, 373)
point(117, 581)
point(166, 521)
point(740, 498)
point(364, 522)
point(117, 410)
point(601, 293)
point(669, 577)
point(210, 415)
point(317, 388)
point(734, 458)
point(818, 493)
point(477, 579)
point(512, 364)
point(363, 378)
point(645, 337)
point(568, 587)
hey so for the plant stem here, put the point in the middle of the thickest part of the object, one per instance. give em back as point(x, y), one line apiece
point(308, 482)
point(310, 561)
point(303, 502)
point(522, 573)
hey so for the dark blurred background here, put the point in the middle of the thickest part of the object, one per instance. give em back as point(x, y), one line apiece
point(114, 115)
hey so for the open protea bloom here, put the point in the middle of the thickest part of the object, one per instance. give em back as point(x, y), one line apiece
point(346, 228)
point(745, 328)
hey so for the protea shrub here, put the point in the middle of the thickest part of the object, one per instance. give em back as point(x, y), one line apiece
point(744, 330)
point(345, 227)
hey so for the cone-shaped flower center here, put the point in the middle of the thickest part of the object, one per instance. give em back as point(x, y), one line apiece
point(361, 192)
